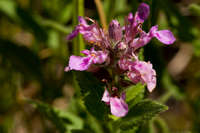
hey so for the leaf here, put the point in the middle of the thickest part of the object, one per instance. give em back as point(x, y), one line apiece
point(64, 121)
point(133, 91)
point(92, 92)
point(140, 113)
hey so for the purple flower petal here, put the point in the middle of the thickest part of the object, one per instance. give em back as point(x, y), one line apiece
point(85, 52)
point(134, 77)
point(143, 11)
point(118, 107)
point(143, 72)
point(141, 41)
point(79, 63)
point(130, 18)
point(124, 64)
point(82, 20)
point(165, 36)
point(99, 57)
point(123, 96)
point(73, 34)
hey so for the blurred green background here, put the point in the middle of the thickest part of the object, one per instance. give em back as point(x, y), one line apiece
point(34, 52)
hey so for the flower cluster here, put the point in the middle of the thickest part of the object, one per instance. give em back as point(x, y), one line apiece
point(117, 50)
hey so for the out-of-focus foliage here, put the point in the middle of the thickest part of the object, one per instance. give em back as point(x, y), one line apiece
point(34, 52)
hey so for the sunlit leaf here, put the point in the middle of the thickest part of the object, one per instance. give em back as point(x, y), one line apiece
point(140, 113)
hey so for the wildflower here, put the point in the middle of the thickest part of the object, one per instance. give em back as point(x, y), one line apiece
point(164, 36)
point(118, 106)
point(143, 72)
point(83, 63)
point(117, 49)
point(91, 33)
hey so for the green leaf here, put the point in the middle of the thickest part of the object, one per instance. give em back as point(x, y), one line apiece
point(140, 113)
point(64, 121)
point(133, 91)
point(92, 92)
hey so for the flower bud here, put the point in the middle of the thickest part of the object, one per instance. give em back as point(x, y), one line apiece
point(115, 31)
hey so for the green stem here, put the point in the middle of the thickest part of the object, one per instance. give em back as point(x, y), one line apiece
point(75, 21)
point(78, 43)
point(81, 13)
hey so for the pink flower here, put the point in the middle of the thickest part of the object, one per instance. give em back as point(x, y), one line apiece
point(143, 72)
point(118, 49)
point(91, 33)
point(132, 26)
point(164, 36)
point(118, 106)
point(83, 63)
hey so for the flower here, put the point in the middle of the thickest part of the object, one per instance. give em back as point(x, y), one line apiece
point(133, 23)
point(118, 106)
point(164, 36)
point(141, 71)
point(118, 49)
point(83, 63)
point(91, 33)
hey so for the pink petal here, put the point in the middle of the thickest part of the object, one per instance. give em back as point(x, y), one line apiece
point(106, 97)
point(79, 63)
point(143, 72)
point(99, 57)
point(73, 34)
point(82, 20)
point(165, 36)
point(118, 107)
